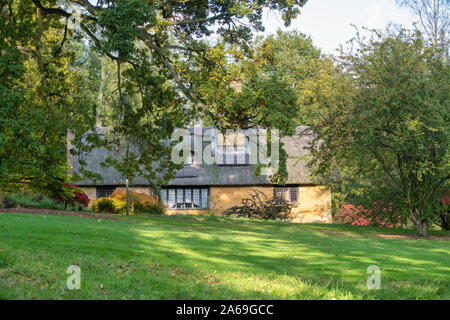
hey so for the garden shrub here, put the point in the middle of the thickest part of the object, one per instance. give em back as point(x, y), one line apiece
point(139, 203)
point(6, 201)
point(38, 196)
point(155, 208)
point(259, 207)
point(26, 198)
point(359, 216)
point(443, 219)
point(29, 199)
point(78, 196)
point(146, 203)
point(103, 205)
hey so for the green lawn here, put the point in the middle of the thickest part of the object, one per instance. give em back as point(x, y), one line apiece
point(212, 258)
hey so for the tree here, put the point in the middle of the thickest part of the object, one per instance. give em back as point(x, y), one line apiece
point(433, 18)
point(41, 99)
point(388, 132)
point(163, 67)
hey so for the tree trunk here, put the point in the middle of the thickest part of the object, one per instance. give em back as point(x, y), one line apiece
point(128, 196)
point(100, 95)
point(422, 228)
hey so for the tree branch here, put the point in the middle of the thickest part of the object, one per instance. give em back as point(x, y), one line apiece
point(55, 11)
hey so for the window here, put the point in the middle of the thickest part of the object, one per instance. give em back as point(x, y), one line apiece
point(103, 192)
point(196, 198)
point(279, 193)
point(204, 198)
point(188, 198)
point(180, 198)
point(233, 149)
point(185, 198)
point(289, 194)
point(164, 194)
point(171, 198)
point(293, 195)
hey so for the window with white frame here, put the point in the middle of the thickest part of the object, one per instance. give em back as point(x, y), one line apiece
point(196, 197)
point(185, 198)
point(170, 201)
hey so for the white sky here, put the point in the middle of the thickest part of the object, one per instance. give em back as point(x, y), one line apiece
point(328, 22)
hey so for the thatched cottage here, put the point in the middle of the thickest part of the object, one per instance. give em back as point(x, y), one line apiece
point(210, 189)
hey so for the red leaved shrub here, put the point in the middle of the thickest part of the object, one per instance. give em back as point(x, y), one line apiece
point(444, 215)
point(445, 200)
point(359, 216)
point(80, 197)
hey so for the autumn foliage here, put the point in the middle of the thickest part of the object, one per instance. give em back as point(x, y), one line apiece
point(359, 216)
point(79, 197)
point(139, 203)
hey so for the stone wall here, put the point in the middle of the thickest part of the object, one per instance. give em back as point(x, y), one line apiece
point(222, 198)
point(314, 202)
point(91, 192)
point(171, 212)
point(314, 205)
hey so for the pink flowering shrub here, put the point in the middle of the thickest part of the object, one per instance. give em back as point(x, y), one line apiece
point(359, 216)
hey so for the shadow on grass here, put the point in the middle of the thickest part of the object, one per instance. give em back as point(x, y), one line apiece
point(318, 260)
point(175, 258)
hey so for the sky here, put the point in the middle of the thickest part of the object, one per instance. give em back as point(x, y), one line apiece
point(329, 22)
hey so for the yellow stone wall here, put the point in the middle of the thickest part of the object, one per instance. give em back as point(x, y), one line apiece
point(222, 198)
point(314, 202)
point(314, 205)
point(171, 212)
point(91, 192)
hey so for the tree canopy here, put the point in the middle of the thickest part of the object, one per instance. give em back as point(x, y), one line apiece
point(387, 135)
point(152, 63)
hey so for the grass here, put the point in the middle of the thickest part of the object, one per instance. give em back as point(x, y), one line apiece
point(212, 258)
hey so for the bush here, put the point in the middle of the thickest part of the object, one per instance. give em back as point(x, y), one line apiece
point(145, 203)
point(28, 199)
point(259, 207)
point(79, 197)
point(103, 205)
point(6, 201)
point(47, 203)
point(154, 208)
point(139, 203)
point(359, 216)
point(443, 219)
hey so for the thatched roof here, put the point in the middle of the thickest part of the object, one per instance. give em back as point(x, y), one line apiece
point(206, 175)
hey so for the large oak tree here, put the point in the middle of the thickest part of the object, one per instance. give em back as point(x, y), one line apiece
point(174, 63)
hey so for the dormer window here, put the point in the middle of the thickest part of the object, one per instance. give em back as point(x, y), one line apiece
point(232, 149)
